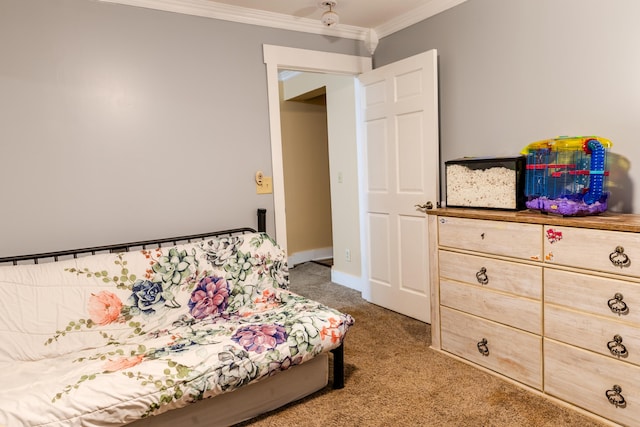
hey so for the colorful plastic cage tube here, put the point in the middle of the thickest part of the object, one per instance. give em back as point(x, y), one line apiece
point(566, 175)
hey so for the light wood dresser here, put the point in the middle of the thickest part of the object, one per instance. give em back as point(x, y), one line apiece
point(549, 303)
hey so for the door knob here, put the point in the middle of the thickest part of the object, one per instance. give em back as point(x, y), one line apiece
point(427, 205)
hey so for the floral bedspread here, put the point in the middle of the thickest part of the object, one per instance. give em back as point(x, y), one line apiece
point(108, 339)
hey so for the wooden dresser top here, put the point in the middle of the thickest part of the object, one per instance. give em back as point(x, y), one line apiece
point(604, 221)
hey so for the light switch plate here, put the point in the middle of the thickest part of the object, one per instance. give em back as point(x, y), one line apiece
point(266, 187)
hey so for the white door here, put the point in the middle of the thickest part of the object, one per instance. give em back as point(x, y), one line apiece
point(400, 156)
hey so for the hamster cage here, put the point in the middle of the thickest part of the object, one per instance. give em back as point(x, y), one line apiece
point(567, 175)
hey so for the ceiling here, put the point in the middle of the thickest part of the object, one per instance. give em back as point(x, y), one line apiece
point(366, 20)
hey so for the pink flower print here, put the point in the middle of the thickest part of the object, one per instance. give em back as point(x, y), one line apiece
point(104, 307)
point(267, 300)
point(332, 331)
point(209, 298)
point(123, 363)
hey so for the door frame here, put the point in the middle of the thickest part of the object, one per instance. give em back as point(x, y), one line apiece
point(280, 57)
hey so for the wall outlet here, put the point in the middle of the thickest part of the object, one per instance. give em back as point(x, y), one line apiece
point(347, 255)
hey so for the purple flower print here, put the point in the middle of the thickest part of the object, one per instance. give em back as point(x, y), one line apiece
point(259, 338)
point(209, 298)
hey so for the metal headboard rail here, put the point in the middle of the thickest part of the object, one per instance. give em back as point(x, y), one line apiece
point(123, 247)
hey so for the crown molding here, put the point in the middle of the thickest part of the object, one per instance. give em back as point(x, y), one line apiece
point(427, 10)
point(211, 9)
point(225, 12)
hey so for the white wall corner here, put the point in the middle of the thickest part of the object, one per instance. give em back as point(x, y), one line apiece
point(371, 40)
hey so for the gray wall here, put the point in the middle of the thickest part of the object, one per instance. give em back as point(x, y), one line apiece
point(120, 123)
point(517, 71)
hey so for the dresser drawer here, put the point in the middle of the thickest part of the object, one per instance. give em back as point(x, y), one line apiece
point(494, 237)
point(610, 338)
point(513, 353)
point(613, 252)
point(518, 279)
point(586, 379)
point(610, 298)
point(521, 313)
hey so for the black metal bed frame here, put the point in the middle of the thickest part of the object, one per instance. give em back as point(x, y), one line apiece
point(122, 247)
point(144, 244)
point(338, 353)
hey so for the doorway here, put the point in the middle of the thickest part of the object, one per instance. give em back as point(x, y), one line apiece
point(305, 155)
point(346, 225)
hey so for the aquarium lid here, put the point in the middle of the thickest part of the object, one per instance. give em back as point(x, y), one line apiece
point(483, 159)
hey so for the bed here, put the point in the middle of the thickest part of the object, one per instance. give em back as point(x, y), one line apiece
point(198, 330)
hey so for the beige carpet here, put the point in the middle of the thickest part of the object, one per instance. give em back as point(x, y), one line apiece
point(393, 378)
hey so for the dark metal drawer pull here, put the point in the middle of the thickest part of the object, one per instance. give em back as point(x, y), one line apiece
point(616, 347)
point(481, 276)
point(615, 397)
point(483, 348)
point(619, 258)
point(617, 305)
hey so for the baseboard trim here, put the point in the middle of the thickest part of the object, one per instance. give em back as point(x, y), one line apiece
point(353, 282)
point(310, 255)
point(356, 283)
